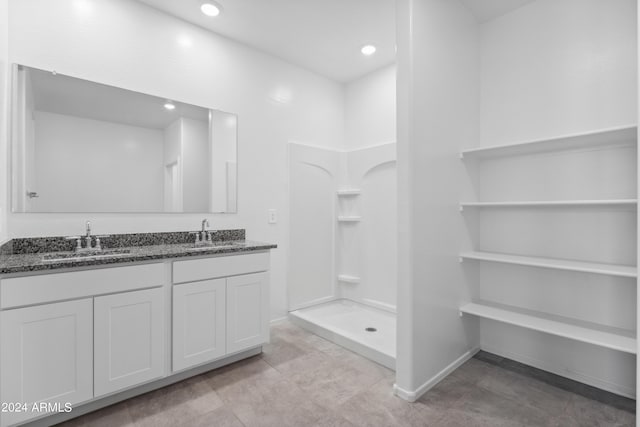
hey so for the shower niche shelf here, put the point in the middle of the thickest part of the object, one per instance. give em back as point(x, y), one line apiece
point(347, 278)
point(349, 218)
point(349, 192)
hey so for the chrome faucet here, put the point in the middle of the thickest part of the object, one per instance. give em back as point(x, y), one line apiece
point(88, 239)
point(203, 237)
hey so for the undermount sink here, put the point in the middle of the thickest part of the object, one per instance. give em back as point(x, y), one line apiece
point(76, 256)
point(213, 245)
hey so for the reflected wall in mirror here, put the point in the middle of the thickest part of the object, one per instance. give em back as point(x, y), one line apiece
point(81, 146)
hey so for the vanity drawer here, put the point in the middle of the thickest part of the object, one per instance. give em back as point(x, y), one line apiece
point(30, 290)
point(210, 268)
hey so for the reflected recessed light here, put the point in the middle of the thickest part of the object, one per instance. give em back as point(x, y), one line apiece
point(210, 9)
point(368, 49)
point(170, 106)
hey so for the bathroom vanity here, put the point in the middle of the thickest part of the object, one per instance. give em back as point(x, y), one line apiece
point(83, 332)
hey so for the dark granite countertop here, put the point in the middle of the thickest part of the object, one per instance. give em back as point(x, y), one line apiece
point(25, 255)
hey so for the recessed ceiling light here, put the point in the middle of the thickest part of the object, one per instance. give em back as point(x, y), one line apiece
point(210, 9)
point(169, 106)
point(368, 49)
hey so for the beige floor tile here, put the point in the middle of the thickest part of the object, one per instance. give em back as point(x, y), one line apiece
point(222, 417)
point(362, 364)
point(486, 405)
point(589, 413)
point(271, 403)
point(377, 406)
point(302, 380)
point(112, 416)
point(281, 351)
point(174, 404)
point(526, 391)
point(246, 370)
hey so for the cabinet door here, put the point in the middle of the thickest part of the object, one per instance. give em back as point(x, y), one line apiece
point(198, 322)
point(129, 339)
point(247, 311)
point(46, 356)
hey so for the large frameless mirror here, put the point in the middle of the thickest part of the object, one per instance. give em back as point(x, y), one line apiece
point(81, 146)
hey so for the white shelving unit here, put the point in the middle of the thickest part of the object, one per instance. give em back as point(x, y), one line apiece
point(549, 203)
point(613, 338)
point(604, 138)
point(622, 138)
point(557, 264)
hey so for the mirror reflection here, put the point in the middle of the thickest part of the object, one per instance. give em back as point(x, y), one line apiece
point(81, 146)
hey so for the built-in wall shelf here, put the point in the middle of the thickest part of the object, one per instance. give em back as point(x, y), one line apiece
point(607, 137)
point(347, 278)
point(349, 218)
point(348, 192)
point(558, 264)
point(613, 338)
point(549, 203)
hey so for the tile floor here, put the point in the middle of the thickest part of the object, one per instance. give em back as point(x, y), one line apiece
point(302, 380)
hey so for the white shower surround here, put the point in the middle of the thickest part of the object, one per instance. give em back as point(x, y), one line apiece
point(332, 259)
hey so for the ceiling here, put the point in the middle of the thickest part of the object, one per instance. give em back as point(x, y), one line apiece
point(322, 36)
point(56, 93)
point(486, 10)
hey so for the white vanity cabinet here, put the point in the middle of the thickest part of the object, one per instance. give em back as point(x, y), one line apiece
point(220, 307)
point(69, 337)
point(96, 336)
point(128, 339)
point(247, 314)
point(46, 357)
point(198, 322)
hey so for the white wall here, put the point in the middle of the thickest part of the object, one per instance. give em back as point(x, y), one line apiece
point(313, 179)
point(367, 249)
point(558, 67)
point(4, 101)
point(195, 149)
point(223, 153)
point(173, 167)
point(127, 44)
point(86, 165)
point(438, 112)
point(370, 109)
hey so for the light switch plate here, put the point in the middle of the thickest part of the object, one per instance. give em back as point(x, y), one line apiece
point(273, 216)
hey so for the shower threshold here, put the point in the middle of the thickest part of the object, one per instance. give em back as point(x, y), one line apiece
point(368, 331)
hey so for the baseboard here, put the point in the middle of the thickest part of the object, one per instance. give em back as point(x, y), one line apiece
point(412, 396)
point(585, 379)
point(278, 320)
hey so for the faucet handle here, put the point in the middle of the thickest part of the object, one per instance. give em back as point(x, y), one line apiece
point(78, 240)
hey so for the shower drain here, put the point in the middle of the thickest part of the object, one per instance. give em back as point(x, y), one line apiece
point(370, 329)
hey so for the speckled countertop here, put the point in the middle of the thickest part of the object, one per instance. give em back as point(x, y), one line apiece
point(24, 255)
